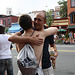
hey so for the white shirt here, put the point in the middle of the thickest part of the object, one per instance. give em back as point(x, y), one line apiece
point(5, 51)
point(55, 36)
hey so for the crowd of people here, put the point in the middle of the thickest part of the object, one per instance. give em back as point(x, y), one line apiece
point(38, 37)
point(65, 38)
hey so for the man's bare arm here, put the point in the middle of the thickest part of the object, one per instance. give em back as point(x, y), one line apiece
point(50, 31)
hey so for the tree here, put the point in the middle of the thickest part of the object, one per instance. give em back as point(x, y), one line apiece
point(49, 18)
point(63, 8)
point(67, 36)
point(6, 30)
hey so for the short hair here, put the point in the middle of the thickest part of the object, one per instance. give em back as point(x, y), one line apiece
point(25, 21)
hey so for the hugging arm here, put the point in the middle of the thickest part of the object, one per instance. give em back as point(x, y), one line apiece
point(50, 31)
point(16, 38)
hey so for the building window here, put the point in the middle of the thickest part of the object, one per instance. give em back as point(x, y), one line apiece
point(53, 13)
point(8, 21)
point(1, 22)
point(72, 18)
point(57, 13)
point(72, 3)
point(4, 22)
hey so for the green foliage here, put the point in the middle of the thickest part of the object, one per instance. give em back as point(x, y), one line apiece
point(67, 36)
point(49, 18)
point(59, 41)
point(6, 29)
point(63, 8)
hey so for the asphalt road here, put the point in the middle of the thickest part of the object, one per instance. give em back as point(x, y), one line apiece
point(65, 62)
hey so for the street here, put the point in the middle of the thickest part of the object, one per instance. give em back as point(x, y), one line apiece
point(65, 62)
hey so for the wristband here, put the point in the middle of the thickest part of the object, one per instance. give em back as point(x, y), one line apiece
point(22, 31)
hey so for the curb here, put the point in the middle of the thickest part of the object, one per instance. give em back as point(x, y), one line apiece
point(64, 44)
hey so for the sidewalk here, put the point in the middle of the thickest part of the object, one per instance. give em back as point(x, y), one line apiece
point(66, 44)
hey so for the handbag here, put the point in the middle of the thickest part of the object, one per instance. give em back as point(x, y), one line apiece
point(27, 71)
point(27, 61)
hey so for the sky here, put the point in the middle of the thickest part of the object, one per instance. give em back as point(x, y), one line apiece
point(26, 6)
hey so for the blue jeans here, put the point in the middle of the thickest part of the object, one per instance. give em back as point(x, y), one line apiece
point(6, 64)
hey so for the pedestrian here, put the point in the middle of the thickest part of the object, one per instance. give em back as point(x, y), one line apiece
point(50, 31)
point(5, 53)
point(70, 36)
point(55, 37)
point(53, 55)
point(39, 22)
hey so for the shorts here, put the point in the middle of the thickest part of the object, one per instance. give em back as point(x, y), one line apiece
point(48, 71)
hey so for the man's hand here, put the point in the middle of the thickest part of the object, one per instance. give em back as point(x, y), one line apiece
point(37, 40)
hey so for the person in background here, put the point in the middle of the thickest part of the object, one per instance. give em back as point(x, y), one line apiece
point(53, 55)
point(55, 37)
point(39, 22)
point(5, 53)
point(70, 36)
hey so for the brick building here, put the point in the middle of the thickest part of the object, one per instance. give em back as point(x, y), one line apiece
point(7, 20)
point(71, 15)
point(56, 12)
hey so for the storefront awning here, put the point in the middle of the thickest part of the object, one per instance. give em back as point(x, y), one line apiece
point(61, 30)
point(14, 29)
point(71, 26)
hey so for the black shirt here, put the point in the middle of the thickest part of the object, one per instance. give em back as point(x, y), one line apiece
point(46, 63)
